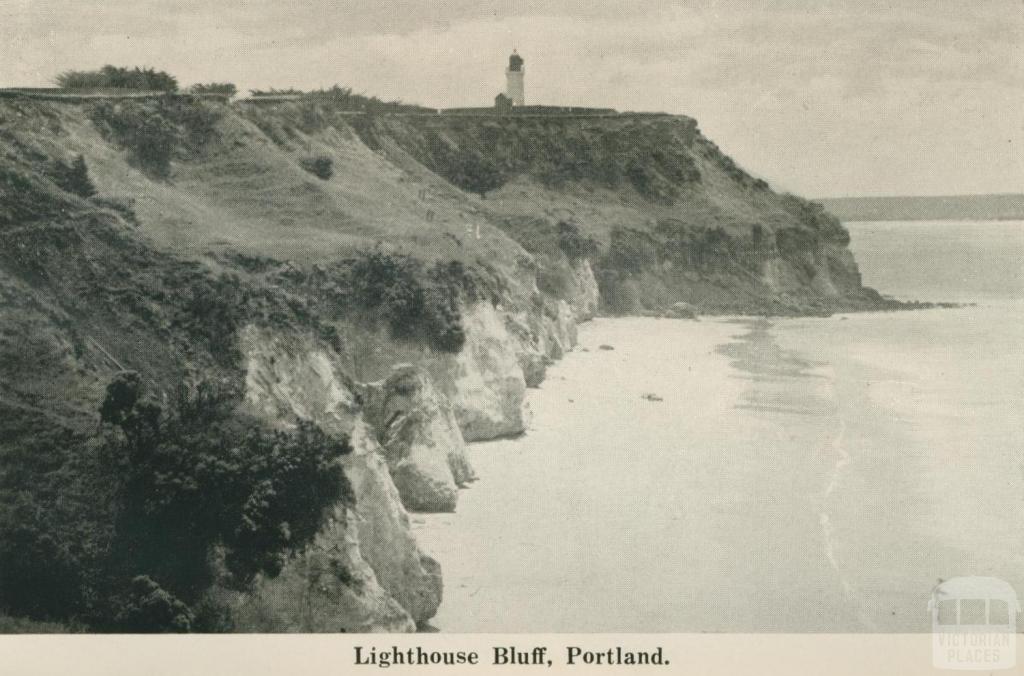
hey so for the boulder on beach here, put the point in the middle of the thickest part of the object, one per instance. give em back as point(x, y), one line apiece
point(681, 310)
point(535, 366)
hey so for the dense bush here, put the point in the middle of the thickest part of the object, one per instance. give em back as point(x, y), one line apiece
point(631, 251)
point(153, 131)
point(23, 198)
point(469, 170)
point(125, 207)
point(483, 157)
point(320, 166)
point(210, 310)
point(202, 476)
point(149, 137)
point(573, 243)
point(119, 531)
point(56, 526)
point(418, 304)
point(343, 98)
point(226, 88)
point(148, 608)
point(118, 78)
point(74, 177)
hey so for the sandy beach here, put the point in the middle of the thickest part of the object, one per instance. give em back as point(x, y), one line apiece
point(752, 475)
point(619, 511)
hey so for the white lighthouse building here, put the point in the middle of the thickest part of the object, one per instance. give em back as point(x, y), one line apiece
point(514, 88)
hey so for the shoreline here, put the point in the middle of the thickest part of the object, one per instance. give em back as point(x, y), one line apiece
point(534, 462)
point(689, 511)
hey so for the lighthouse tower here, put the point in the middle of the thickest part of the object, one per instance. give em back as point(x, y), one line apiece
point(514, 88)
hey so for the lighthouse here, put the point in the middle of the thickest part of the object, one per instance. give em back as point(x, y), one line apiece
point(514, 88)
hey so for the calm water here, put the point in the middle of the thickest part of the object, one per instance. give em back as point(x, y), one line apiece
point(795, 475)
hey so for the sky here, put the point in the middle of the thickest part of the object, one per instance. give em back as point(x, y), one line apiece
point(820, 97)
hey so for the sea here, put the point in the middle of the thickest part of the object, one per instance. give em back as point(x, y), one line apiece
point(762, 475)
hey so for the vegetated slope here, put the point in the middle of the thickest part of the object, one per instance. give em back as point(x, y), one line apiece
point(142, 239)
point(671, 217)
point(930, 208)
point(147, 235)
point(120, 445)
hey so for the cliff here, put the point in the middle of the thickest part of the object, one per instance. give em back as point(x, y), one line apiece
point(397, 281)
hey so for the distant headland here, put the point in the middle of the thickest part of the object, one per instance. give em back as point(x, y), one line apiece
point(997, 207)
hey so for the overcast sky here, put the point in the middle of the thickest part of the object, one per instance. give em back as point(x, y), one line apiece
point(821, 97)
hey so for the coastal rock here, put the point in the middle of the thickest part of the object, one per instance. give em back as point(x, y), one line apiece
point(546, 336)
point(534, 365)
point(422, 443)
point(291, 377)
point(532, 357)
point(385, 539)
point(586, 296)
point(561, 330)
point(328, 587)
point(484, 381)
point(681, 310)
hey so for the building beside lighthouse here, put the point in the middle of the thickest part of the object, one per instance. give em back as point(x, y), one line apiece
point(515, 89)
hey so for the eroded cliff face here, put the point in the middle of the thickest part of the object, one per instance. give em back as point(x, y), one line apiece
point(484, 381)
point(364, 570)
point(586, 296)
point(672, 218)
point(420, 435)
point(233, 241)
point(328, 587)
point(291, 377)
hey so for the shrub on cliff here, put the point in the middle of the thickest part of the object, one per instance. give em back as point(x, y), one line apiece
point(225, 88)
point(74, 177)
point(149, 137)
point(155, 131)
point(118, 78)
point(474, 172)
point(573, 243)
point(148, 608)
point(201, 476)
point(418, 304)
point(118, 531)
point(24, 198)
point(630, 251)
point(320, 166)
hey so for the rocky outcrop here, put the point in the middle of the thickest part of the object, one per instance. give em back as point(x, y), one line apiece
point(586, 297)
point(420, 435)
point(559, 330)
point(680, 310)
point(328, 587)
point(387, 544)
point(289, 377)
point(527, 331)
point(545, 336)
point(485, 381)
